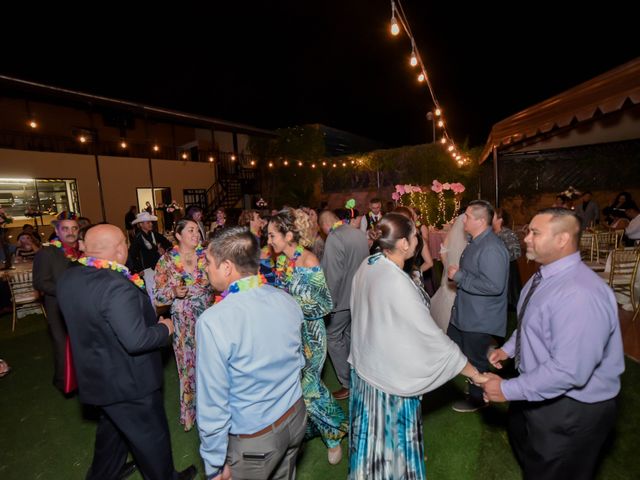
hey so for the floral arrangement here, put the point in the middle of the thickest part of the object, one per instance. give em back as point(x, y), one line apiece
point(438, 204)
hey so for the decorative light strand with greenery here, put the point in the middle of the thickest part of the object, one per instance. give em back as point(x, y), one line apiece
point(436, 207)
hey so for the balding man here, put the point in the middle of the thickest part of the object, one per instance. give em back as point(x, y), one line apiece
point(568, 351)
point(115, 340)
point(344, 251)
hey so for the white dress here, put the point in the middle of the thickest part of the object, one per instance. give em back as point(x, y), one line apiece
point(442, 302)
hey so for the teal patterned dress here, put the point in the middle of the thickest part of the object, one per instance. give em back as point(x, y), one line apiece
point(326, 418)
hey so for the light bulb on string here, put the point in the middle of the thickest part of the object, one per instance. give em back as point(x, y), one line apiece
point(440, 123)
point(286, 163)
point(438, 112)
point(451, 147)
point(443, 140)
point(270, 164)
point(395, 28)
point(413, 61)
point(33, 124)
point(421, 77)
point(299, 164)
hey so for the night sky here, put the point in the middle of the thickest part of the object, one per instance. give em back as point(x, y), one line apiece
point(282, 63)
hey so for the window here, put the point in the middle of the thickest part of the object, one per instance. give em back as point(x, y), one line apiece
point(28, 197)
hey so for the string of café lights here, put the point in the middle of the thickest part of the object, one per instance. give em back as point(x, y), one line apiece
point(399, 19)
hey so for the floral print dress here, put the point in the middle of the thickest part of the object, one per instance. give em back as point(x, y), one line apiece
point(308, 287)
point(184, 313)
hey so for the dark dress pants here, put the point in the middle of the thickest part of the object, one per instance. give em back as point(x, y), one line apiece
point(139, 426)
point(475, 347)
point(58, 332)
point(559, 439)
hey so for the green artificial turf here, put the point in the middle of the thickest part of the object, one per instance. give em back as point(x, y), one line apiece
point(43, 435)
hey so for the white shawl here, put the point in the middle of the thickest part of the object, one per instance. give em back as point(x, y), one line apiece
point(395, 344)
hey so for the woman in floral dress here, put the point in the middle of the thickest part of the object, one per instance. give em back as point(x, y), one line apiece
point(181, 280)
point(298, 271)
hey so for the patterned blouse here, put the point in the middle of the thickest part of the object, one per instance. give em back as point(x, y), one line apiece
point(512, 242)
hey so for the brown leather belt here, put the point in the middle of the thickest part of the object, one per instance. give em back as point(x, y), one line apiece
point(275, 424)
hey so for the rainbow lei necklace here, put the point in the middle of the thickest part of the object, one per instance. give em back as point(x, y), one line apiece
point(98, 263)
point(71, 253)
point(188, 278)
point(242, 285)
point(339, 223)
point(285, 265)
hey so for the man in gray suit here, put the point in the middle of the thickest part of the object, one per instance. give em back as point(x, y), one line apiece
point(344, 250)
point(480, 309)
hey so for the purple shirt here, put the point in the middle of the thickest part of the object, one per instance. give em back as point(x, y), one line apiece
point(570, 340)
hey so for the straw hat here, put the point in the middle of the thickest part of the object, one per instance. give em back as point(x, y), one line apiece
point(144, 217)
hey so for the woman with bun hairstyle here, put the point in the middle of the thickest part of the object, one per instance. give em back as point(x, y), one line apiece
point(298, 272)
point(398, 354)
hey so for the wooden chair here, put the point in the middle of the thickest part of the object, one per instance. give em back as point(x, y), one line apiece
point(23, 295)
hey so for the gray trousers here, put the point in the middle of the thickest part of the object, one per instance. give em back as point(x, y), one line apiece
point(272, 455)
point(339, 343)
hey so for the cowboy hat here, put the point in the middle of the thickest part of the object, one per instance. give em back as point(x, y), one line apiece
point(144, 217)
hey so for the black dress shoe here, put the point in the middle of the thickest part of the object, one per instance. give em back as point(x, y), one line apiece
point(127, 470)
point(188, 473)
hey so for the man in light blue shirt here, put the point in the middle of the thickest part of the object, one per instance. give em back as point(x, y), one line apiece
point(250, 413)
point(569, 353)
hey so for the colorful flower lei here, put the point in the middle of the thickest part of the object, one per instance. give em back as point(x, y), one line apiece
point(242, 285)
point(186, 277)
point(99, 263)
point(339, 223)
point(285, 266)
point(71, 253)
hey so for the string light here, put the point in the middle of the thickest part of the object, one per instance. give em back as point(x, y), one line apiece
point(82, 139)
point(184, 155)
point(233, 158)
point(123, 144)
point(395, 28)
point(286, 163)
point(253, 163)
point(156, 148)
point(211, 159)
point(33, 124)
point(398, 18)
point(270, 164)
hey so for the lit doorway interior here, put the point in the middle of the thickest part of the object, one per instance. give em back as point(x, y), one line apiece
point(156, 198)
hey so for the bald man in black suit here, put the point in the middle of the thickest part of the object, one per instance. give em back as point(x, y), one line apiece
point(115, 341)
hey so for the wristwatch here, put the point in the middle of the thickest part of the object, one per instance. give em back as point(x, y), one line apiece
point(214, 474)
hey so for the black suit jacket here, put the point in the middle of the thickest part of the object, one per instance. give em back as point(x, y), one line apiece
point(48, 266)
point(114, 335)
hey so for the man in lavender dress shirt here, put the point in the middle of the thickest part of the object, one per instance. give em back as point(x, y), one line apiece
point(563, 403)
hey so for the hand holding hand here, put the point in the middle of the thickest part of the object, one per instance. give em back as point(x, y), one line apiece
point(496, 357)
point(167, 322)
point(451, 271)
point(479, 379)
point(492, 390)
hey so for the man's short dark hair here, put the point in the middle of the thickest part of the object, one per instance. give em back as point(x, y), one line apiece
point(239, 246)
point(482, 208)
point(375, 200)
point(561, 214)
